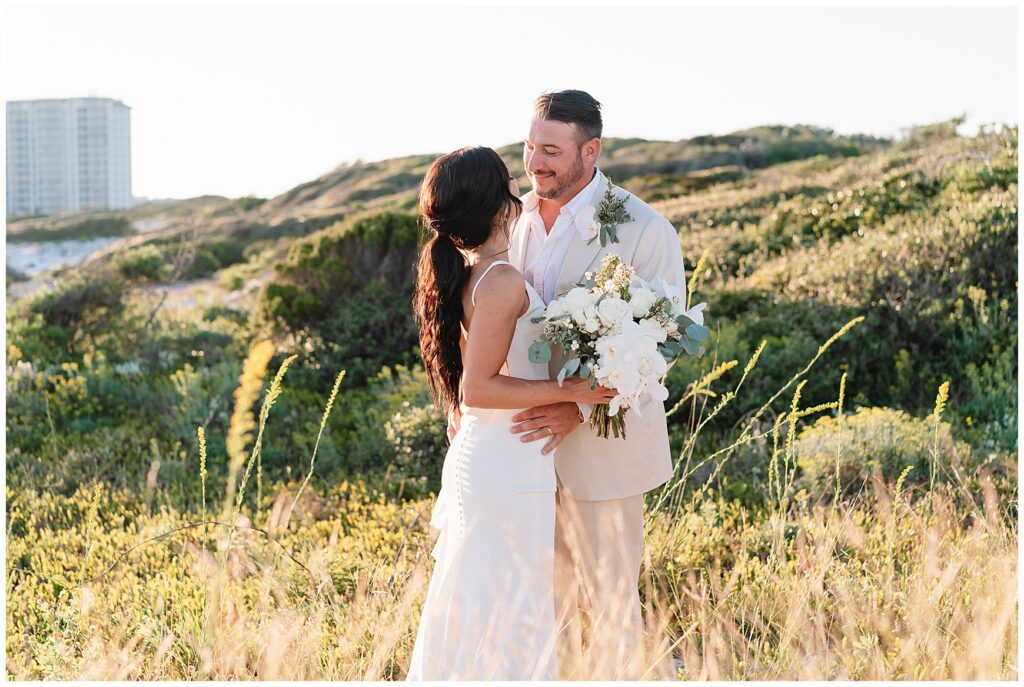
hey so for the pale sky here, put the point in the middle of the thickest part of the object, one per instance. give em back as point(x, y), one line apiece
point(237, 100)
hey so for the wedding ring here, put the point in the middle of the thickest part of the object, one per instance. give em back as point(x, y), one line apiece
point(550, 433)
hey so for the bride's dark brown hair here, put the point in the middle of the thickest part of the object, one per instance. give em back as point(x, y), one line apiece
point(464, 197)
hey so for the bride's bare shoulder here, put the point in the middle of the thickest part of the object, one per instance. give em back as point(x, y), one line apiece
point(503, 288)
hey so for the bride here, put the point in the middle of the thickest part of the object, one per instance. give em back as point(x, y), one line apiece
point(489, 610)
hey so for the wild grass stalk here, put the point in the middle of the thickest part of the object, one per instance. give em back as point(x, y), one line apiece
point(672, 492)
point(242, 422)
point(839, 437)
point(316, 446)
point(268, 403)
point(201, 432)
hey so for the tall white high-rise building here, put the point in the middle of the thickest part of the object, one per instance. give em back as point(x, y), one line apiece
point(68, 154)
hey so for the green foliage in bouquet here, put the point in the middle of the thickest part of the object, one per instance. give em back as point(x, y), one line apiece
point(599, 316)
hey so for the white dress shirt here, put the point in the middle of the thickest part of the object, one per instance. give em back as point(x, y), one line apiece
point(546, 251)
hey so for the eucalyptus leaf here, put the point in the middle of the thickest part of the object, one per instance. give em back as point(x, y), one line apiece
point(571, 366)
point(539, 352)
point(690, 345)
point(697, 332)
point(683, 322)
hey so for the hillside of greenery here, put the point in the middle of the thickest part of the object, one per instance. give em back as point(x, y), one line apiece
point(846, 445)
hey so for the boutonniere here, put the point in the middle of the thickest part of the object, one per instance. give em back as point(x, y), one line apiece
point(602, 222)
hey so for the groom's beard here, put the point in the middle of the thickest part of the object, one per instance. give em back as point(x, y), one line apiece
point(565, 183)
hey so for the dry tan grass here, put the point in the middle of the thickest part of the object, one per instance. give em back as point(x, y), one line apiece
point(882, 591)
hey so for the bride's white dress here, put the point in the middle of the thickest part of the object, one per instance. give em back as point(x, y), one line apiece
point(489, 611)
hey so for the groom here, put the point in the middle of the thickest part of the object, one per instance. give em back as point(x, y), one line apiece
point(601, 482)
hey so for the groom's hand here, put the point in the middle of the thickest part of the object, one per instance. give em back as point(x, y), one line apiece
point(553, 421)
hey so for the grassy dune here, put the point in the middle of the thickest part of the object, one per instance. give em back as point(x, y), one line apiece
point(198, 492)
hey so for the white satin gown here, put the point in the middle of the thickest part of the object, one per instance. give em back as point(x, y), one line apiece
point(489, 612)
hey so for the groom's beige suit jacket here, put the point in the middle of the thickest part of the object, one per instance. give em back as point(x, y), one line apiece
point(591, 468)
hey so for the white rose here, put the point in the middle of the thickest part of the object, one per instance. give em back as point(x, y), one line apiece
point(577, 299)
point(591, 325)
point(641, 299)
point(555, 309)
point(612, 311)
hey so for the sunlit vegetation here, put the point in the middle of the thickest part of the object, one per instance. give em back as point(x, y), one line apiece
point(197, 492)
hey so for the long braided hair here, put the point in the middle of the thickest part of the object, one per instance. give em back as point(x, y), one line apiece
point(464, 197)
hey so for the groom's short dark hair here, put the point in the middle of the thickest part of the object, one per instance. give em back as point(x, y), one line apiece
point(572, 107)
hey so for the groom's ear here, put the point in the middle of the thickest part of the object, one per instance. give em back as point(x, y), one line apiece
point(591, 150)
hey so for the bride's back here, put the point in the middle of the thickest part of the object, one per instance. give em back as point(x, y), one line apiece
point(505, 276)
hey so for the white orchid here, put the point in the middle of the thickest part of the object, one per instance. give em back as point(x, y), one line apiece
point(696, 313)
point(675, 295)
point(652, 329)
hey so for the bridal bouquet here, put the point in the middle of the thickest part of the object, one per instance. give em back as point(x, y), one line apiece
point(622, 332)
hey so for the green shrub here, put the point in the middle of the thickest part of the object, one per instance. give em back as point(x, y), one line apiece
point(204, 263)
point(73, 318)
point(344, 293)
point(50, 230)
point(418, 435)
point(144, 264)
point(212, 255)
point(355, 440)
point(228, 251)
point(873, 440)
point(246, 203)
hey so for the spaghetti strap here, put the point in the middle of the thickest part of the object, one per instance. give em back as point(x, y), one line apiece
point(472, 296)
